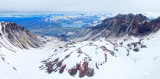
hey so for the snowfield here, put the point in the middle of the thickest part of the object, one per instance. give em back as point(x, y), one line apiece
point(135, 58)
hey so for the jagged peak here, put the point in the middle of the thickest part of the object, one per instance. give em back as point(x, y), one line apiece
point(130, 15)
point(122, 25)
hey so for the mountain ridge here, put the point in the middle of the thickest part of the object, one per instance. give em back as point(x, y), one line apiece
point(18, 36)
point(119, 26)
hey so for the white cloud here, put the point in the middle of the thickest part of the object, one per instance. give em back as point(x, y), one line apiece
point(81, 5)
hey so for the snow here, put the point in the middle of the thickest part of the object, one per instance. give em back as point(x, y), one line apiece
point(144, 64)
point(7, 71)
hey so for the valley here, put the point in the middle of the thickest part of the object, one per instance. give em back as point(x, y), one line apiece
point(143, 63)
point(125, 46)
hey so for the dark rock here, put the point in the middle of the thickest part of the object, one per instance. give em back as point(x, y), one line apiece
point(136, 49)
point(72, 71)
point(90, 72)
point(62, 69)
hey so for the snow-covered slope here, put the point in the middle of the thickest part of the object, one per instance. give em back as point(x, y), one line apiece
point(132, 58)
point(120, 58)
point(6, 71)
point(14, 39)
point(24, 64)
point(92, 56)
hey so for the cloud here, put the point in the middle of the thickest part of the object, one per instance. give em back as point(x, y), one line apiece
point(80, 5)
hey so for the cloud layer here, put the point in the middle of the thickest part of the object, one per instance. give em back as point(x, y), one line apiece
point(80, 5)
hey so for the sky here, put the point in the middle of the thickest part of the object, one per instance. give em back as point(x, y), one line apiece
point(81, 5)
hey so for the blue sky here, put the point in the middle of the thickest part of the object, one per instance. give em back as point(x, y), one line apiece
point(81, 5)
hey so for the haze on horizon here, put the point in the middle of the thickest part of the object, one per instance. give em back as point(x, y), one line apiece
point(81, 5)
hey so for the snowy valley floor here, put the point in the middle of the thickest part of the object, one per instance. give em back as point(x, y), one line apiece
point(144, 64)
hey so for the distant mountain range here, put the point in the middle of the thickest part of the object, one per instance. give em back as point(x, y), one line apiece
point(52, 24)
point(61, 25)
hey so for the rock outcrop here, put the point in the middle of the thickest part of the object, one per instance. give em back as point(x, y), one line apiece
point(120, 25)
point(18, 36)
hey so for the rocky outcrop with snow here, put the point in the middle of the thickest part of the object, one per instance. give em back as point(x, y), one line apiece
point(120, 25)
point(18, 36)
point(13, 39)
point(83, 58)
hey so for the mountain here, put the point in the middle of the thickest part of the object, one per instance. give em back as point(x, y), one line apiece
point(84, 59)
point(14, 39)
point(119, 26)
point(24, 55)
point(18, 36)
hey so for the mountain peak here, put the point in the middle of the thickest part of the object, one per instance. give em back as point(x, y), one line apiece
point(121, 25)
point(18, 35)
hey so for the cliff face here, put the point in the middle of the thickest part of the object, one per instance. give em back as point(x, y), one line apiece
point(136, 25)
point(121, 25)
point(18, 36)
